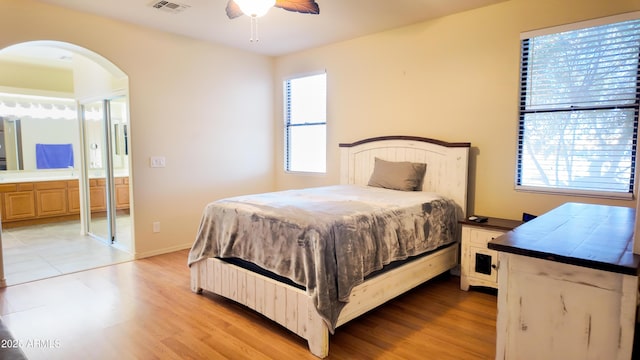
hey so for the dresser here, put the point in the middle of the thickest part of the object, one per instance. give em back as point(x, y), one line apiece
point(568, 285)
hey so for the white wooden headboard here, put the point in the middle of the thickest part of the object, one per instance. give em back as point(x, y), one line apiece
point(447, 163)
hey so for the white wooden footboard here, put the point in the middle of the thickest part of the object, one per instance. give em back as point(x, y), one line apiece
point(282, 303)
point(293, 309)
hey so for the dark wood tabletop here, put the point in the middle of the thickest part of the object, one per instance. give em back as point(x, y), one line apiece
point(594, 236)
point(493, 223)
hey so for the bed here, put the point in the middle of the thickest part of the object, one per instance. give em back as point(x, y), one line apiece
point(296, 256)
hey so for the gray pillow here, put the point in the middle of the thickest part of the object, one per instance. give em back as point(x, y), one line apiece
point(398, 175)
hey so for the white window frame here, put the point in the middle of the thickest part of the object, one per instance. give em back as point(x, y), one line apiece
point(524, 88)
point(288, 125)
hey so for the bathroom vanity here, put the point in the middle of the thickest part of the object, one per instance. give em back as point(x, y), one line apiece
point(42, 201)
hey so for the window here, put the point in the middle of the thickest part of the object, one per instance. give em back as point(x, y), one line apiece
point(305, 112)
point(579, 110)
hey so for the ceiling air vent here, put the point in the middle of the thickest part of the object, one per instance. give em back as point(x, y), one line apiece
point(169, 6)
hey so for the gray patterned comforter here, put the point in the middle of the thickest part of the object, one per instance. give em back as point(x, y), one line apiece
point(327, 239)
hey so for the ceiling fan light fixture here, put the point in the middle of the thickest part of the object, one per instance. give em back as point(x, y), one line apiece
point(255, 8)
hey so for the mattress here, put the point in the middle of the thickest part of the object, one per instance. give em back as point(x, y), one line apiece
point(247, 265)
point(326, 239)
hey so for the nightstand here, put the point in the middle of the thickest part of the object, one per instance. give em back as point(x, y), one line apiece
point(479, 265)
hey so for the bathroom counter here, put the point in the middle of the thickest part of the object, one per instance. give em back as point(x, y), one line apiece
point(49, 175)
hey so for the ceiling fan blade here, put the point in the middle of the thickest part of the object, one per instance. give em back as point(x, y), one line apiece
point(301, 6)
point(233, 10)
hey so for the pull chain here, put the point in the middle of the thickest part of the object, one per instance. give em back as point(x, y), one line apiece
point(254, 29)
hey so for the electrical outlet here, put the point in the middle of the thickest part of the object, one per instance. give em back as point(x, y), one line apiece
point(157, 162)
point(156, 226)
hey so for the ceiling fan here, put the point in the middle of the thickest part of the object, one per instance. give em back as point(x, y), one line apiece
point(257, 8)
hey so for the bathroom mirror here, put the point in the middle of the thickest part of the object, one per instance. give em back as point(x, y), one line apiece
point(40, 133)
point(32, 144)
point(26, 144)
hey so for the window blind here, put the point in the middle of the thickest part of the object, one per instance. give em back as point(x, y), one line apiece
point(579, 110)
point(305, 123)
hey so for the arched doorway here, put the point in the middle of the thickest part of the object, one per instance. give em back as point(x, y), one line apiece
point(81, 174)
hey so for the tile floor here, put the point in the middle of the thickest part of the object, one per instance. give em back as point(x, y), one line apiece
point(42, 251)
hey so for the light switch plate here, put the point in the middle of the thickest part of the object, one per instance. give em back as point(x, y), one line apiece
point(157, 162)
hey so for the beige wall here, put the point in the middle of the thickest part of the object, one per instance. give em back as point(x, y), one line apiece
point(454, 78)
point(206, 108)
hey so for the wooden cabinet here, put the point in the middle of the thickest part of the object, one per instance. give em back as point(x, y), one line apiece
point(73, 196)
point(568, 285)
point(562, 311)
point(122, 193)
point(46, 201)
point(97, 195)
point(479, 265)
point(18, 202)
point(51, 198)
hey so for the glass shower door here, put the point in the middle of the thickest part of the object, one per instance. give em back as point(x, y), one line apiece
point(98, 173)
point(119, 128)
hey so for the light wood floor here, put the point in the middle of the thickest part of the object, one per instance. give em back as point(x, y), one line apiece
point(144, 309)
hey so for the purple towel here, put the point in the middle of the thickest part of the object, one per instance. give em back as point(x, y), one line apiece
point(54, 156)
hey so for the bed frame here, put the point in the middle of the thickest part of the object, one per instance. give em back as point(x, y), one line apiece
point(447, 171)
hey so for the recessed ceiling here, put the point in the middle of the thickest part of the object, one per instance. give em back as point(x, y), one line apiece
point(280, 32)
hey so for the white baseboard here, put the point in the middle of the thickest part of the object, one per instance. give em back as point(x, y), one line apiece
point(167, 250)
